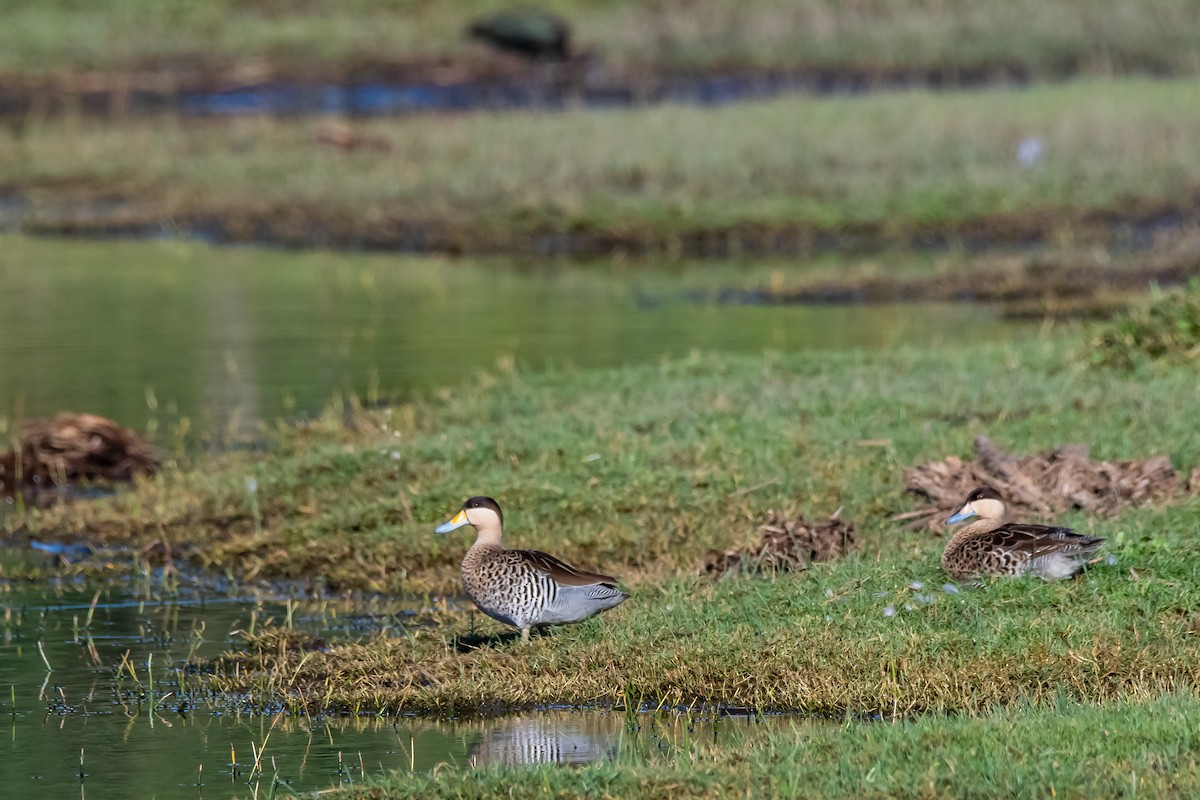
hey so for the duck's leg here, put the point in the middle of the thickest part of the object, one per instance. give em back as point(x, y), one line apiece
point(525, 635)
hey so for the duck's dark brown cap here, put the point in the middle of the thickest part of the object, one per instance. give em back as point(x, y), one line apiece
point(481, 501)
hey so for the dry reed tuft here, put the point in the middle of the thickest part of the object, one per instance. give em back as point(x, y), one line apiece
point(75, 448)
point(1041, 484)
point(787, 544)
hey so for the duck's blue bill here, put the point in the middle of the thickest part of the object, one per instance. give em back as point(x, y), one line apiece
point(966, 513)
point(457, 522)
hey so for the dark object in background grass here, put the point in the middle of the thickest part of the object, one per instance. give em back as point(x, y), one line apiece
point(1042, 484)
point(530, 32)
point(1168, 329)
point(74, 448)
point(787, 544)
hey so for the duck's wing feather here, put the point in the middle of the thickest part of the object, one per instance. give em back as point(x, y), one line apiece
point(1040, 540)
point(560, 570)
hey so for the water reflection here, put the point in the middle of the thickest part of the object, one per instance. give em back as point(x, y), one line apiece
point(171, 740)
point(229, 356)
point(547, 738)
point(152, 333)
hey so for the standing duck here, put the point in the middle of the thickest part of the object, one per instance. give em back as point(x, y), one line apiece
point(524, 588)
point(991, 546)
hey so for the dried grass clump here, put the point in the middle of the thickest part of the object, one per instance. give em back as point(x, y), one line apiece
point(73, 448)
point(344, 137)
point(278, 641)
point(787, 544)
point(1043, 484)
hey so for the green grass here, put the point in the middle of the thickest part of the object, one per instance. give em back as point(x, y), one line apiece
point(354, 507)
point(1064, 750)
point(1081, 686)
point(674, 441)
point(1167, 328)
point(1101, 36)
point(820, 642)
point(882, 165)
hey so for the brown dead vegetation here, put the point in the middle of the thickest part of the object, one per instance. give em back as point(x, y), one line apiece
point(279, 641)
point(347, 138)
point(786, 544)
point(74, 448)
point(1080, 282)
point(1043, 484)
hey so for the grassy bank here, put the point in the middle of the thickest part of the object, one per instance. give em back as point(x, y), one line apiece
point(907, 167)
point(637, 468)
point(877, 633)
point(1062, 750)
point(1166, 329)
point(288, 35)
point(639, 471)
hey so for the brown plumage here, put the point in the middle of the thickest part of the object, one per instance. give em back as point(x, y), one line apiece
point(560, 570)
point(524, 588)
point(990, 546)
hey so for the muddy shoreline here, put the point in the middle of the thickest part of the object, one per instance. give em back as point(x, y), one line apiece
point(99, 214)
point(469, 83)
point(1134, 247)
point(1069, 288)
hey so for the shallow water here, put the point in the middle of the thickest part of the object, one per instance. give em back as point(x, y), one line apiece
point(541, 91)
point(152, 332)
point(377, 99)
point(136, 743)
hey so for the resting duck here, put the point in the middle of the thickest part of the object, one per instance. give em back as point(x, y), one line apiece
point(524, 588)
point(991, 546)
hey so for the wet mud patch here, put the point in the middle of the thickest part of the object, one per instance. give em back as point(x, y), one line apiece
point(786, 544)
point(1042, 484)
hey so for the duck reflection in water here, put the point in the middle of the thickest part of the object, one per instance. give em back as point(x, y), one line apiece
point(544, 739)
